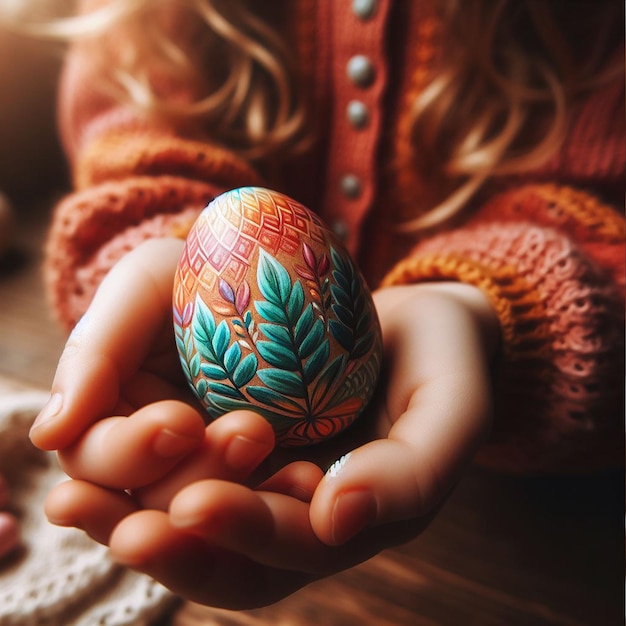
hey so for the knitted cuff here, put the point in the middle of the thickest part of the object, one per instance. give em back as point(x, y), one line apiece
point(59, 576)
point(505, 291)
point(558, 383)
point(597, 228)
point(92, 229)
point(123, 153)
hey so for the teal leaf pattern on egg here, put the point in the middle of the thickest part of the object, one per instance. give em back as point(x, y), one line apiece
point(299, 381)
point(353, 327)
point(222, 359)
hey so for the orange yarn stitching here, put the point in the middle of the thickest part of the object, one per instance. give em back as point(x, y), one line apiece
point(117, 155)
point(577, 212)
point(499, 288)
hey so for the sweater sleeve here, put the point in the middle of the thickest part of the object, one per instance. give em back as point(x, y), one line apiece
point(551, 260)
point(133, 178)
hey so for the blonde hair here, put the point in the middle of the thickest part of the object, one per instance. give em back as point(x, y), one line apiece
point(503, 62)
point(248, 99)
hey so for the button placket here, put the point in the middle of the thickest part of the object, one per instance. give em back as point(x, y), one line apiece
point(359, 76)
point(361, 72)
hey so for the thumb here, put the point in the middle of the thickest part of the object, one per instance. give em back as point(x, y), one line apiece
point(439, 404)
point(369, 486)
point(109, 343)
point(410, 473)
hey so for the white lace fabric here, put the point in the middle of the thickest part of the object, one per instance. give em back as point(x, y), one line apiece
point(60, 577)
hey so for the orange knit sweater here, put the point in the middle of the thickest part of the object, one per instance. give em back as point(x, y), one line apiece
point(548, 250)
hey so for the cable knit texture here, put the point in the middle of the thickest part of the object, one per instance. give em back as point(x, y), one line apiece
point(547, 248)
point(71, 581)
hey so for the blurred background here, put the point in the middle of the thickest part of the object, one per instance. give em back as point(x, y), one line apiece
point(33, 175)
point(30, 157)
point(504, 551)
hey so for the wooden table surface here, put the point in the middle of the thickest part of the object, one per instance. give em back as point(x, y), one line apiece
point(504, 550)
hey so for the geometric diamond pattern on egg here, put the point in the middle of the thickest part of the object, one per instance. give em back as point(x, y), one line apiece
point(229, 235)
point(243, 248)
point(189, 281)
point(218, 258)
point(207, 277)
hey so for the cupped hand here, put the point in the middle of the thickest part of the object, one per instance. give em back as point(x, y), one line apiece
point(198, 520)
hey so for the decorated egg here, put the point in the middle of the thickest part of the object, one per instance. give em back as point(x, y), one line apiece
point(271, 314)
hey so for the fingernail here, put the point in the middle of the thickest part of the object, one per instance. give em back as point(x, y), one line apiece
point(242, 452)
point(167, 443)
point(353, 511)
point(50, 410)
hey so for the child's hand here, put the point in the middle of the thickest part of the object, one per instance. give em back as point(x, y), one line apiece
point(224, 543)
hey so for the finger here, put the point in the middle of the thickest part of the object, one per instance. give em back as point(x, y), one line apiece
point(107, 346)
point(233, 447)
point(272, 529)
point(438, 401)
point(298, 480)
point(93, 509)
point(196, 570)
point(128, 452)
point(269, 528)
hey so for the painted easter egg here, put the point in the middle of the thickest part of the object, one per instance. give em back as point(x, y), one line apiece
point(271, 314)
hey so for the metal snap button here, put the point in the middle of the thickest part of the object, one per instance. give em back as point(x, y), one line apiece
point(360, 70)
point(340, 228)
point(364, 9)
point(357, 113)
point(351, 186)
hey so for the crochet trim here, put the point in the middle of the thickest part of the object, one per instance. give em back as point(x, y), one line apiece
point(60, 577)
